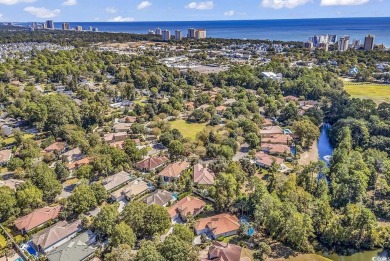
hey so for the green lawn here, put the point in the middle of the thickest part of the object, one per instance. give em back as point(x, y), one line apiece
point(11, 140)
point(188, 130)
point(377, 92)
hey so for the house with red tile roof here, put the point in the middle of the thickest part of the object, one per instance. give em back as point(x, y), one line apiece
point(284, 139)
point(265, 160)
point(174, 170)
point(275, 149)
point(72, 166)
point(56, 235)
point(221, 225)
point(220, 251)
point(185, 207)
point(56, 147)
point(152, 163)
point(5, 157)
point(203, 175)
point(270, 131)
point(37, 218)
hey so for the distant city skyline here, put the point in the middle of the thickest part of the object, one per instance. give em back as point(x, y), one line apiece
point(185, 10)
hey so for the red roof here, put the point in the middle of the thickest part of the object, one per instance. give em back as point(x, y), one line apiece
point(56, 146)
point(77, 164)
point(151, 163)
point(174, 170)
point(267, 160)
point(37, 218)
point(187, 206)
point(203, 175)
point(219, 224)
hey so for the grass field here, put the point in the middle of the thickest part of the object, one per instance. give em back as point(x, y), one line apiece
point(188, 130)
point(377, 92)
point(11, 140)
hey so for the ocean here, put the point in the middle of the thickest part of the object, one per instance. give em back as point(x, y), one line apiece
point(285, 30)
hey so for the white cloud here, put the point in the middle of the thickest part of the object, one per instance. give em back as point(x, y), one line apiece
point(277, 4)
point(343, 2)
point(143, 5)
point(1, 15)
point(229, 13)
point(201, 5)
point(70, 2)
point(122, 19)
point(13, 2)
point(42, 12)
point(111, 10)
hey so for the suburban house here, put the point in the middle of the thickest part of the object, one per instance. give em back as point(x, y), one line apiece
point(185, 207)
point(56, 235)
point(77, 164)
point(121, 127)
point(5, 157)
point(267, 122)
point(275, 149)
point(11, 183)
point(291, 98)
point(174, 170)
point(203, 175)
point(78, 248)
point(220, 109)
point(73, 155)
point(270, 131)
point(278, 139)
point(130, 191)
point(160, 197)
point(221, 225)
point(56, 147)
point(117, 144)
point(128, 119)
point(152, 163)
point(37, 218)
point(115, 181)
point(220, 251)
point(110, 137)
point(265, 160)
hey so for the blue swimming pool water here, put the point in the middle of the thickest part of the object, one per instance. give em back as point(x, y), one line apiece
point(30, 249)
point(18, 259)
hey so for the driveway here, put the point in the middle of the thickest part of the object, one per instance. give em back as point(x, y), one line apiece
point(242, 153)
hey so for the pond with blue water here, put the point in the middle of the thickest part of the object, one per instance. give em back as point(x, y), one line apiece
point(325, 152)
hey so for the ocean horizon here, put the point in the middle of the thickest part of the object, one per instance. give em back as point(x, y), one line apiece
point(280, 29)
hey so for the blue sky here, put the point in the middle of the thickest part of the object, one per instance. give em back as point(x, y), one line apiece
point(185, 10)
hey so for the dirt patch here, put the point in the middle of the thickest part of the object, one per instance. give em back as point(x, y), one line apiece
point(310, 155)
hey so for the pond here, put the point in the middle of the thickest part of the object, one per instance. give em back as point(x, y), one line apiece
point(325, 151)
point(375, 255)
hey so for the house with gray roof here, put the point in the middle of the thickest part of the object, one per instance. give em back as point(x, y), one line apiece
point(115, 181)
point(52, 237)
point(79, 248)
point(160, 197)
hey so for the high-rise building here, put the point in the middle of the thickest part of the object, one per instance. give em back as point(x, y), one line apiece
point(178, 35)
point(44, 26)
point(158, 31)
point(200, 34)
point(343, 43)
point(309, 45)
point(79, 28)
point(191, 33)
point(356, 43)
point(166, 35)
point(49, 24)
point(65, 26)
point(369, 42)
point(323, 46)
